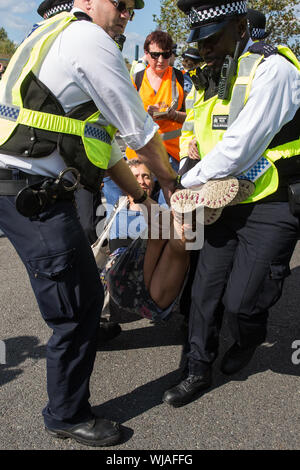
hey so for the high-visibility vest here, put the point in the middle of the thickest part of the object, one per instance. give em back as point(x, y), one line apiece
point(134, 64)
point(188, 130)
point(93, 133)
point(169, 90)
point(211, 118)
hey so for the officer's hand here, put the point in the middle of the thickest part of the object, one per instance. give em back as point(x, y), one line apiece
point(193, 150)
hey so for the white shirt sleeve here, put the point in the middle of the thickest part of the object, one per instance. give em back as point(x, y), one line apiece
point(89, 65)
point(271, 104)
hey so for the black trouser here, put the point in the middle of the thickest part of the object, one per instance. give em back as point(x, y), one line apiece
point(87, 204)
point(65, 281)
point(243, 263)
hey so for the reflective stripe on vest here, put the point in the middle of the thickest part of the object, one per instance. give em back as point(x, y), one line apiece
point(214, 116)
point(188, 129)
point(54, 123)
point(95, 132)
point(171, 134)
point(175, 99)
point(242, 87)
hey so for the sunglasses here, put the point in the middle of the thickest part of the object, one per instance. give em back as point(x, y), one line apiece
point(156, 55)
point(122, 8)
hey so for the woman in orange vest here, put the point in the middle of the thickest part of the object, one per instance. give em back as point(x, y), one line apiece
point(161, 89)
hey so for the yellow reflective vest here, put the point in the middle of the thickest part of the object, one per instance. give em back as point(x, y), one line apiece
point(93, 133)
point(208, 120)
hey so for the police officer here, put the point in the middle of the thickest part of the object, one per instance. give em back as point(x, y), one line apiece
point(63, 96)
point(257, 25)
point(190, 62)
point(242, 131)
point(87, 203)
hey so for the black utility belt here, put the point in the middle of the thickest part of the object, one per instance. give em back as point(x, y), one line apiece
point(13, 181)
point(294, 196)
point(36, 193)
point(288, 193)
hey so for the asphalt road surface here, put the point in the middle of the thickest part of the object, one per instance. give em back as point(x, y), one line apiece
point(257, 408)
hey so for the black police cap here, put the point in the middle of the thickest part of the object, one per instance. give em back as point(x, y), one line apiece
point(207, 17)
point(192, 53)
point(257, 24)
point(49, 8)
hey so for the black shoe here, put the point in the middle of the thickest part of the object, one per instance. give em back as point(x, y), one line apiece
point(97, 432)
point(236, 358)
point(186, 390)
point(108, 330)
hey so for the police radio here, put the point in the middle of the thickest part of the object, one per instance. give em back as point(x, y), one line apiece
point(228, 73)
point(198, 78)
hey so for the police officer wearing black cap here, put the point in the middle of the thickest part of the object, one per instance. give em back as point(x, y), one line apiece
point(49, 8)
point(191, 60)
point(192, 55)
point(87, 203)
point(66, 92)
point(245, 132)
point(257, 24)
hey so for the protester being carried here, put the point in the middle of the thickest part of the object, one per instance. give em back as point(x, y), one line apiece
point(147, 268)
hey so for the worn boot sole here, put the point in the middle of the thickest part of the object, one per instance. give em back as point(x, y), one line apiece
point(213, 194)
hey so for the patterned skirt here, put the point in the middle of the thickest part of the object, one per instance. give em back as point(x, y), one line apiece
point(123, 276)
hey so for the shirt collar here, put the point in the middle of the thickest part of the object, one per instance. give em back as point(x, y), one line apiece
point(249, 44)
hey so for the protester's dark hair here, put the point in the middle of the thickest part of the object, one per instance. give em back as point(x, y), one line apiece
point(161, 38)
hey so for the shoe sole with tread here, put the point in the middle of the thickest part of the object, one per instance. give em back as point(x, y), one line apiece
point(213, 194)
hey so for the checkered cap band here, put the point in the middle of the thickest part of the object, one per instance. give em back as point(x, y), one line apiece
point(9, 112)
point(95, 132)
point(197, 17)
point(257, 33)
point(260, 167)
point(58, 9)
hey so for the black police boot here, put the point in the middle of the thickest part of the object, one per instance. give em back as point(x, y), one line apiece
point(236, 358)
point(187, 389)
point(108, 330)
point(97, 432)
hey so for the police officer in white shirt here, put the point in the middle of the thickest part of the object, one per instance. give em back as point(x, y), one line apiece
point(246, 121)
point(52, 136)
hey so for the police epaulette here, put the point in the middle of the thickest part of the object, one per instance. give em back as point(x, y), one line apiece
point(263, 48)
point(80, 15)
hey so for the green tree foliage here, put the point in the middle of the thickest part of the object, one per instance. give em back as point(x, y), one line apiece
point(283, 21)
point(7, 47)
point(173, 21)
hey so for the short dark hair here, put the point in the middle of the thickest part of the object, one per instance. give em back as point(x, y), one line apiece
point(163, 39)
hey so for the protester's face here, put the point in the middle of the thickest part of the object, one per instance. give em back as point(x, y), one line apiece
point(215, 48)
point(144, 178)
point(105, 14)
point(158, 64)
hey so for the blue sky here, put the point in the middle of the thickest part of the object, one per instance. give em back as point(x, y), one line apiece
point(17, 16)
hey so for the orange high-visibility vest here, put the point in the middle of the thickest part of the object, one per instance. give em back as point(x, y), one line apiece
point(169, 90)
